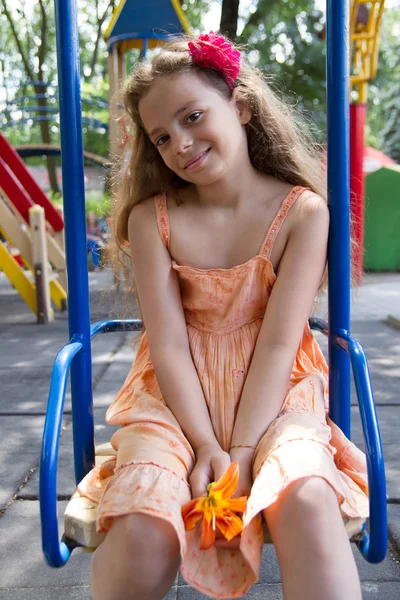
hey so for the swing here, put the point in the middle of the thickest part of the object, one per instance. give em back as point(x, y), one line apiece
point(76, 355)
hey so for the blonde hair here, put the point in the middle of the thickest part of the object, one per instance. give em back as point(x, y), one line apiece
point(279, 144)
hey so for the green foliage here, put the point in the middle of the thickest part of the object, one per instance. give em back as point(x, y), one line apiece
point(194, 11)
point(95, 201)
point(95, 109)
point(383, 114)
point(27, 53)
point(35, 30)
point(34, 36)
point(94, 17)
point(283, 39)
point(98, 203)
point(390, 135)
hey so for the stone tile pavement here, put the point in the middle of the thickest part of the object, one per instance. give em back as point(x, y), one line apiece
point(27, 354)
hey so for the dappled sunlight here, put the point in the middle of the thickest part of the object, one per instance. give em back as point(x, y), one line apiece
point(100, 358)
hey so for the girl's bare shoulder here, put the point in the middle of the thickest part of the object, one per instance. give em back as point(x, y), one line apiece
point(143, 214)
point(144, 208)
point(309, 211)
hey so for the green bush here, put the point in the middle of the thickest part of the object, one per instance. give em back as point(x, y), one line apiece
point(95, 201)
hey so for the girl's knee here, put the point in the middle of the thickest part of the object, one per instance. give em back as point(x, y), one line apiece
point(307, 515)
point(139, 552)
point(135, 539)
point(312, 495)
point(138, 532)
point(310, 500)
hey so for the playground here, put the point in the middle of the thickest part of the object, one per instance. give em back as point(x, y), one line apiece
point(44, 307)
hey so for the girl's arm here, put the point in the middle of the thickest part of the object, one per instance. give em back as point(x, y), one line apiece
point(161, 305)
point(299, 275)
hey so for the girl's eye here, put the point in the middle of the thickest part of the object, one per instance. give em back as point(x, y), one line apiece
point(190, 119)
point(161, 140)
point(193, 117)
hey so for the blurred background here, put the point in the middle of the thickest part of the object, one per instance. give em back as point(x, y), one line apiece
point(284, 38)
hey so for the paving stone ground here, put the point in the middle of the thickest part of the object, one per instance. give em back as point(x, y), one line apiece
point(27, 354)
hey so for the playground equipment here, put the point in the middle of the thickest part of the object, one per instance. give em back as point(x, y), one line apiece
point(365, 19)
point(375, 159)
point(382, 220)
point(42, 106)
point(28, 150)
point(76, 355)
point(23, 226)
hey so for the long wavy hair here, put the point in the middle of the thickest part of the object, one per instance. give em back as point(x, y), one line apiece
point(280, 144)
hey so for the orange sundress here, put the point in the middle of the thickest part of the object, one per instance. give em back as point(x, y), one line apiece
point(224, 310)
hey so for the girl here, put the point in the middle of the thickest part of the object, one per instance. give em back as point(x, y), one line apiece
point(223, 206)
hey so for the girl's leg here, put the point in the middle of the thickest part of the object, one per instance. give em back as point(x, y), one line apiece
point(138, 560)
point(311, 543)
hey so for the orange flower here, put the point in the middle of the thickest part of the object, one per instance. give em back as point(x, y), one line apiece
point(217, 509)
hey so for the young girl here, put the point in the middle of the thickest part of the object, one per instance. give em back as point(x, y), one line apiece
point(223, 206)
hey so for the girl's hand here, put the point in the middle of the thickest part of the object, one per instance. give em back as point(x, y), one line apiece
point(211, 464)
point(244, 456)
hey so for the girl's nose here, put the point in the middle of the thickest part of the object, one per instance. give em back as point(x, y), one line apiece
point(181, 144)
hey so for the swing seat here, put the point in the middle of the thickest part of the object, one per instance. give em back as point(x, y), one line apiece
point(80, 515)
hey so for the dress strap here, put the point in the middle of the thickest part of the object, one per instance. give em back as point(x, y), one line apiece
point(162, 218)
point(287, 203)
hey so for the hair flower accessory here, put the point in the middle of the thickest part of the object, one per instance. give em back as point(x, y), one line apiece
point(211, 50)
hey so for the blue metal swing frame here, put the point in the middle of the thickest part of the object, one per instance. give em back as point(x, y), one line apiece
point(75, 357)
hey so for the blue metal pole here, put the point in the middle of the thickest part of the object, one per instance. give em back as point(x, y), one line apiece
point(373, 546)
point(56, 552)
point(338, 65)
point(75, 232)
point(145, 48)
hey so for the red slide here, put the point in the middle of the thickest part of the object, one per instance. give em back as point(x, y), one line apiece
point(20, 187)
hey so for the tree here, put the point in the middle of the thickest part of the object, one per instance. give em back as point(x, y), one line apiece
point(93, 20)
point(229, 18)
point(195, 10)
point(28, 64)
point(384, 90)
point(390, 134)
point(284, 41)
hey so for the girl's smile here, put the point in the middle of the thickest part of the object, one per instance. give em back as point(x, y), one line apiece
point(198, 161)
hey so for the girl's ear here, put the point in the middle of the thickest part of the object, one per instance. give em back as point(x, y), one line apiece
point(242, 107)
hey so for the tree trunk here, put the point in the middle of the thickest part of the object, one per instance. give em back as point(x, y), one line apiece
point(99, 25)
point(46, 139)
point(229, 18)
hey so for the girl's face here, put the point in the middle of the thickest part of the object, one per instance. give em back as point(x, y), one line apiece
point(199, 134)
